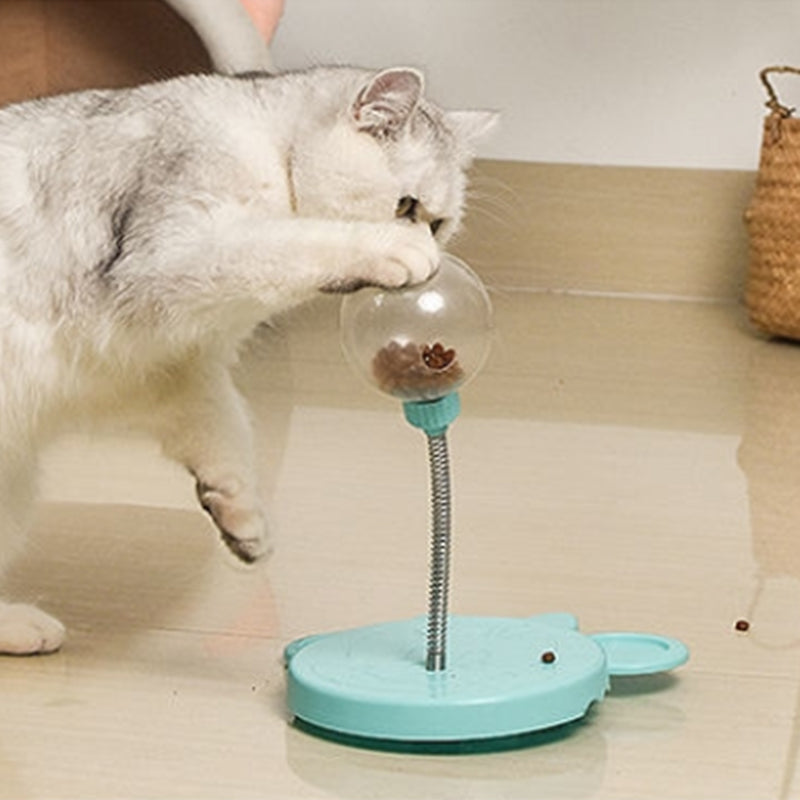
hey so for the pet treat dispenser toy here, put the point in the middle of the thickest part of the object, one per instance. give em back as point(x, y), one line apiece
point(448, 679)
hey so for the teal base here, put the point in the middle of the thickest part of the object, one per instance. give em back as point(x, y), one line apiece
point(505, 678)
point(448, 747)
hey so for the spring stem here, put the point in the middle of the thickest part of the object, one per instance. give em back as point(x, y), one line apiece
point(440, 552)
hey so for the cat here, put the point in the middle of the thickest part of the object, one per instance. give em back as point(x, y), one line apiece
point(146, 232)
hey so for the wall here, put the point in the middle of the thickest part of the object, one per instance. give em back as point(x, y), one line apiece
point(627, 82)
point(62, 45)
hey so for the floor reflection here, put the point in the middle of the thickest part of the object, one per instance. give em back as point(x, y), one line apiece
point(569, 761)
point(769, 456)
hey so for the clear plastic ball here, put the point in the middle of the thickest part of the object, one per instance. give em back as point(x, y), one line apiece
point(420, 343)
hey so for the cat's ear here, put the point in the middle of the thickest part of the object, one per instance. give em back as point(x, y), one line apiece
point(470, 126)
point(384, 104)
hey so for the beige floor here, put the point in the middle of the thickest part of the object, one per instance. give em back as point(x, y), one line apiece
point(633, 462)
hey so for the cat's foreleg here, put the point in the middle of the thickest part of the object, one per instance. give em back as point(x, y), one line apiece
point(24, 629)
point(206, 427)
point(231, 256)
point(322, 254)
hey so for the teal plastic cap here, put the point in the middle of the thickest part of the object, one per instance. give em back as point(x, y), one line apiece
point(433, 416)
point(630, 653)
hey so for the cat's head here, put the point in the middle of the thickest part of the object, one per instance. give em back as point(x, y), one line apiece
point(378, 150)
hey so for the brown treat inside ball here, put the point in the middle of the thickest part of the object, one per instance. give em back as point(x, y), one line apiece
point(742, 625)
point(416, 371)
point(436, 357)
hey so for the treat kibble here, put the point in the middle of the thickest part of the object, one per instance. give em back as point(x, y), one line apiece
point(414, 371)
point(548, 657)
point(436, 357)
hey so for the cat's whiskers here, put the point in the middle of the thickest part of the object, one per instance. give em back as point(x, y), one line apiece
point(494, 199)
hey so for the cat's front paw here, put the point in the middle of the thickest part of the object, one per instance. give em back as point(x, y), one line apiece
point(411, 257)
point(391, 256)
point(27, 631)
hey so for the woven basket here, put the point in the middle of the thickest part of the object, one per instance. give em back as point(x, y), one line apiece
point(772, 293)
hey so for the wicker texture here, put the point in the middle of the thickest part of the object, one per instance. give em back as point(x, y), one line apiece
point(772, 294)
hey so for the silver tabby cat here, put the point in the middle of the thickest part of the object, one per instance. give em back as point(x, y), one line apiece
point(144, 233)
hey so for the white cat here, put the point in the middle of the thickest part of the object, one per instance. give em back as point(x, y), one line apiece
point(144, 233)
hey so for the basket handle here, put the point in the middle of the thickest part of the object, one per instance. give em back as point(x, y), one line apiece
point(773, 104)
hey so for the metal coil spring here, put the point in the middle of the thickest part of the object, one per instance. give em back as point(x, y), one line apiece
point(440, 552)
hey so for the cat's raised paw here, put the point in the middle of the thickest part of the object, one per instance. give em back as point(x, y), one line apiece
point(412, 258)
point(392, 256)
point(247, 550)
point(27, 631)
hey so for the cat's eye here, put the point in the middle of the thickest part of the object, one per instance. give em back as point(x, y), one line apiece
point(435, 224)
point(407, 208)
